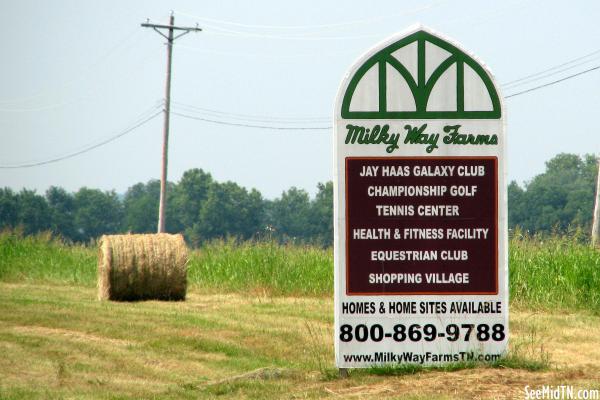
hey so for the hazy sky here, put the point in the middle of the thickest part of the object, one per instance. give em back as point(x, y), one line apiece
point(75, 73)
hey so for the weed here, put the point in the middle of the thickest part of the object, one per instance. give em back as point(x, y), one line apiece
point(553, 272)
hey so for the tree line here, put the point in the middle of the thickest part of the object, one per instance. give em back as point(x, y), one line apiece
point(559, 199)
point(198, 206)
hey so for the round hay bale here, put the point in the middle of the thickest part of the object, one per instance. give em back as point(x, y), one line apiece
point(142, 267)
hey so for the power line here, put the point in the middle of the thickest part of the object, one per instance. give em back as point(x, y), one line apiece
point(247, 120)
point(541, 75)
point(224, 27)
point(251, 125)
point(312, 27)
point(256, 118)
point(85, 150)
point(485, 17)
point(219, 31)
point(146, 120)
point(250, 117)
point(287, 120)
point(39, 108)
point(279, 128)
point(553, 82)
point(274, 56)
point(86, 71)
point(73, 100)
point(510, 83)
point(534, 79)
point(283, 120)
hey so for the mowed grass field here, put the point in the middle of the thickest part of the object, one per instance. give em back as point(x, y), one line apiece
point(258, 324)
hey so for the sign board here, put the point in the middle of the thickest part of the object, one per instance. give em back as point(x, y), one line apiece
point(420, 207)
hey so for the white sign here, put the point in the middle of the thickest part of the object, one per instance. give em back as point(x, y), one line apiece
point(420, 207)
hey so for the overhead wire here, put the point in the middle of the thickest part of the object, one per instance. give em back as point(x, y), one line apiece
point(312, 27)
point(221, 27)
point(249, 117)
point(74, 99)
point(286, 120)
point(281, 128)
point(219, 31)
point(548, 73)
point(249, 125)
point(88, 148)
point(551, 68)
point(99, 61)
point(262, 55)
point(553, 82)
point(488, 15)
point(221, 122)
point(276, 122)
point(39, 108)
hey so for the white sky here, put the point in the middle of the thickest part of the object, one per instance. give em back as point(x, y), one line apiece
point(74, 73)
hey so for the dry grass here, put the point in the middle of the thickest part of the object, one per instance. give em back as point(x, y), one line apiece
point(60, 342)
point(139, 267)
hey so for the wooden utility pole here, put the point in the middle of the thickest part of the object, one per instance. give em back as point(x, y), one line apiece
point(165, 147)
point(596, 223)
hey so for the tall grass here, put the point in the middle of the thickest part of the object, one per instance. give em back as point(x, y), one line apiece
point(268, 266)
point(554, 271)
point(545, 272)
point(44, 258)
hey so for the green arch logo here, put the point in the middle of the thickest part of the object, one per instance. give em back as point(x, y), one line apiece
point(421, 76)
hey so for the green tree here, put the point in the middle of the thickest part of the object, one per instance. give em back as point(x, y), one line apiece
point(188, 198)
point(561, 197)
point(96, 213)
point(516, 212)
point(321, 220)
point(33, 212)
point(140, 208)
point(290, 215)
point(62, 212)
point(9, 208)
point(230, 210)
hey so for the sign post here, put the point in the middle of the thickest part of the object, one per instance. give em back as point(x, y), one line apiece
point(420, 207)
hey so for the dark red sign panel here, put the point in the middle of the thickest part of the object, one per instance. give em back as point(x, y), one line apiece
point(421, 225)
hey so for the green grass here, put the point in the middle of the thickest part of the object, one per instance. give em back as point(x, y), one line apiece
point(267, 308)
point(263, 266)
point(515, 359)
point(526, 352)
point(545, 273)
point(554, 272)
point(42, 258)
point(58, 341)
point(410, 369)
